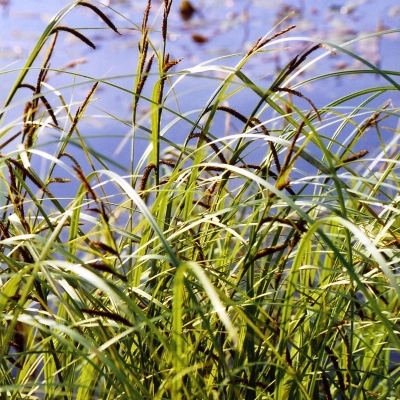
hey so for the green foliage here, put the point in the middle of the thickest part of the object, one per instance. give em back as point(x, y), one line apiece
point(256, 264)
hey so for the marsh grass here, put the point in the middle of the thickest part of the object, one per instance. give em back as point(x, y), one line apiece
point(256, 264)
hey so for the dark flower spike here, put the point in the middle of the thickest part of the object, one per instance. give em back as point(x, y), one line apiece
point(353, 157)
point(27, 110)
point(146, 16)
point(47, 227)
point(215, 169)
point(260, 43)
point(143, 45)
point(4, 230)
point(164, 181)
point(297, 61)
point(29, 175)
point(168, 162)
point(107, 314)
point(326, 386)
point(167, 8)
point(50, 51)
point(252, 166)
point(212, 188)
point(58, 180)
point(72, 158)
point(16, 297)
point(169, 64)
point(75, 33)
point(41, 78)
point(49, 109)
point(13, 181)
point(104, 247)
point(289, 244)
point(298, 94)
point(290, 151)
point(200, 203)
point(95, 210)
point(168, 4)
point(43, 99)
point(27, 85)
point(9, 140)
point(270, 250)
point(74, 63)
point(143, 77)
point(252, 123)
point(100, 14)
point(105, 268)
point(80, 109)
point(300, 225)
point(212, 145)
point(85, 183)
point(145, 176)
point(233, 112)
point(89, 96)
point(335, 363)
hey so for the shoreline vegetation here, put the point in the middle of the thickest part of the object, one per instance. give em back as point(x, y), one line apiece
point(254, 261)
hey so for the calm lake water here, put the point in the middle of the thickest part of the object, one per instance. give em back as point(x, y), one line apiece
point(224, 27)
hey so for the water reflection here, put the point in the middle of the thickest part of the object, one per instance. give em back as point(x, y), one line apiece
point(226, 26)
point(198, 31)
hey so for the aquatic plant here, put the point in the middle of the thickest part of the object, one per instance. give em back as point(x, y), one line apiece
point(255, 258)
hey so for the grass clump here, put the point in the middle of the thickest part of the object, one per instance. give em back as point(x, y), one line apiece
point(255, 259)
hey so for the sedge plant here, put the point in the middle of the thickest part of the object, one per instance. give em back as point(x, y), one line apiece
point(255, 258)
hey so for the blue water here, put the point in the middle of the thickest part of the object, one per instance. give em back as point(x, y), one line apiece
point(228, 26)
